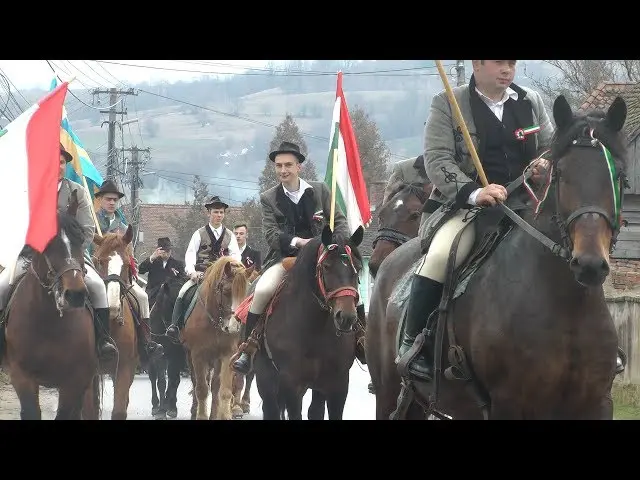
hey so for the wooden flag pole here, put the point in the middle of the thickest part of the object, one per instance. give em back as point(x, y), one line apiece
point(465, 132)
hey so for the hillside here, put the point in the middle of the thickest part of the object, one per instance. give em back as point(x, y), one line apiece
point(229, 138)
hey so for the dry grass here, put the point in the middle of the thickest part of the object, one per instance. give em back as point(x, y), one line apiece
point(626, 401)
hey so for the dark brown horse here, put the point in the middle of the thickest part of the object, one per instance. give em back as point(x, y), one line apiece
point(533, 325)
point(398, 220)
point(49, 330)
point(309, 336)
point(164, 371)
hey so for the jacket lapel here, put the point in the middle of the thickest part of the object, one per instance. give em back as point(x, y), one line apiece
point(523, 112)
point(285, 206)
point(476, 104)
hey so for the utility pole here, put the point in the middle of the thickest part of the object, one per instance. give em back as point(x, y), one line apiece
point(460, 72)
point(136, 184)
point(112, 155)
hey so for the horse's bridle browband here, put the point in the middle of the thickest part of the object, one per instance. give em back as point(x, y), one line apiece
point(54, 276)
point(346, 291)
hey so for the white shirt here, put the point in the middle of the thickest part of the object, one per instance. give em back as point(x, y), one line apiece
point(191, 256)
point(295, 198)
point(242, 248)
point(497, 107)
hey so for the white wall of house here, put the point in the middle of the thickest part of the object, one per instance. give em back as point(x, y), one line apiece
point(366, 283)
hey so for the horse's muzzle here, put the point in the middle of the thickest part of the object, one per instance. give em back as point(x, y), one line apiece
point(344, 321)
point(75, 298)
point(589, 270)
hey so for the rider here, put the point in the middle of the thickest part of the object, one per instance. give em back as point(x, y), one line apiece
point(289, 222)
point(95, 284)
point(410, 170)
point(109, 222)
point(207, 244)
point(512, 128)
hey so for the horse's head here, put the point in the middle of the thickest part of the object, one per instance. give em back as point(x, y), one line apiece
point(399, 220)
point(337, 272)
point(60, 267)
point(226, 282)
point(588, 173)
point(113, 257)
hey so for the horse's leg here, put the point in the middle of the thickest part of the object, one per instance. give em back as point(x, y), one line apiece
point(28, 392)
point(194, 400)
point(246, 397)
point(175, 362)
point(267, 383)
point(214, 387)
point(317, 407)
point(121, 386)
point(70, 401)
point(91, 404)
point(292, 398)
point(337, 398)
point(225, 386)
point(201, 387)
point(236, 394)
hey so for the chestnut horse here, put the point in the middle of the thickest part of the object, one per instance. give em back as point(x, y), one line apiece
point(49, 330)
point(211, 334)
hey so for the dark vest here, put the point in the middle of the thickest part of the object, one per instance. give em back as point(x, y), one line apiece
point(504, 156)
point(302, 227)
point(211, 249)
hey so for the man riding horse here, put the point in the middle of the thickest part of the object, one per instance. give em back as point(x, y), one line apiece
point(512, 129)
point(207, 244)
point(95, 284)
point(293, 212)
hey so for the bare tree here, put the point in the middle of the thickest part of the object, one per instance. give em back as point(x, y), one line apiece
point(374, 153)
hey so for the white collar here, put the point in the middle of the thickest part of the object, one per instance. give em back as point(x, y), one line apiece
point(303, 186)
point(509, 93)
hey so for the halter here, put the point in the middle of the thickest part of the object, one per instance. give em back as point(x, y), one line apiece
point(223, 308)
point(346, 291)
point(617, 185)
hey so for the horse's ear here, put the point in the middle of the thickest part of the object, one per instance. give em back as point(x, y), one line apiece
point(327, 236)
point(562, 113)
point(97, 239)
point(617, 114)
point(128, 236)
point(249, 271)
point(357, 236)
point(228, 270)
point(72, 208)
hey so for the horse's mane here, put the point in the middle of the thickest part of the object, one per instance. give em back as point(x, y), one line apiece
point(614, 141)
point(72, 228)
point(110, 243)
point(214, 273)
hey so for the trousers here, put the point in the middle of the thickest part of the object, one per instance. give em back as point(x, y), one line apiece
point(95, 285)
point(266, 288)
point(434, 262)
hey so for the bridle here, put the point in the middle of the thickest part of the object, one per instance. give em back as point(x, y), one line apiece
point(224, 308)
point(344, 291)
point(618, 182)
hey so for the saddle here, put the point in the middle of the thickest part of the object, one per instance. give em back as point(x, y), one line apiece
point(491, 226)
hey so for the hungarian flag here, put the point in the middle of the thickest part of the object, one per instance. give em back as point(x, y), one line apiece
point(29, 168)
point(351, 191)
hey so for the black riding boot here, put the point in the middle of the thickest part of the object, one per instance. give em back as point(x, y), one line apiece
point(105, 348)
point(244, 363)
point(173, 331)
point(360, 335)
point(424, 298)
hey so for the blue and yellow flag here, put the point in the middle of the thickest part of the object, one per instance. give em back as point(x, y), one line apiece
point(81, 163)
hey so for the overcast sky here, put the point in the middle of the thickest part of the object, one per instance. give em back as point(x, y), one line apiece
point(37, 74)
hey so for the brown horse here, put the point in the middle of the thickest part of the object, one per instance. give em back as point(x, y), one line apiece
point(529, 333)
point(211, 334)
point(398, 220)
point(49, 328)
point(308, 341)
point(112, 260)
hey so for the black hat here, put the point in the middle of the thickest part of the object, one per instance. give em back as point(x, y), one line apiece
point(215, 202)
point(287, 147)
point(109, 187)
point(67, 156)
point(164, 243)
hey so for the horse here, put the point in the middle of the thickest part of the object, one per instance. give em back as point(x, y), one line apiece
point(49, 329)
point(211, 334)
point(112, 257)
point(172, 362)
point(398, 220)
point(529, 332)
point(308, 339)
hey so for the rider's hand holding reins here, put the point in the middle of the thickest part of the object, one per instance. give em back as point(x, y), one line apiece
point(490, 195)
point(539, 169)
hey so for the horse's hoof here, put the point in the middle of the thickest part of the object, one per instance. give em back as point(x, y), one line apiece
point(155, 411)
point(160, 416)
point(172, 412)
point(246, 408)
point(237, 412)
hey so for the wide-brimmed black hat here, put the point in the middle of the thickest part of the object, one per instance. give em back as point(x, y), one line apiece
point(67, 156)
point(109, 187)
point(287, 147)
point(164, 243)
point(215, 202)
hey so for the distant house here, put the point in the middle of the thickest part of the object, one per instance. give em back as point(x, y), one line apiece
point(626, 264)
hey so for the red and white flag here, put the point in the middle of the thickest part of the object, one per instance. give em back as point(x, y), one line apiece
point(29, 166)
